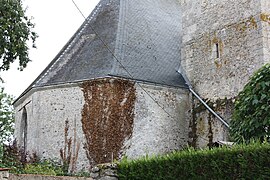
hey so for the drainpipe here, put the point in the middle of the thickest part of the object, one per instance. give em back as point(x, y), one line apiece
point(200, 99)
point(208, 108)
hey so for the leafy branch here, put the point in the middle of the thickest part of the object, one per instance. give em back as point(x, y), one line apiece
point(16, 29)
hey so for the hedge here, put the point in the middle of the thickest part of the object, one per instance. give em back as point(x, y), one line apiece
point(238, 162)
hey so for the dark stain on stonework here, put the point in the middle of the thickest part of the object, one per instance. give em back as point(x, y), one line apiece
point(210, 131)
point(223, 107)
point(193, 126)
point(107, 117)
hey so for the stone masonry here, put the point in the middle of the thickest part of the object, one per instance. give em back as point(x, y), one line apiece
point(61, 109)
point(223, 44)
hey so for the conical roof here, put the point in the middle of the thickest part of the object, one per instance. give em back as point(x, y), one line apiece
point(136, 39)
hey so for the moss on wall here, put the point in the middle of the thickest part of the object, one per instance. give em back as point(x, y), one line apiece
point(265, 17)
point(202, 123)
point(246, 24)
point(107, 117)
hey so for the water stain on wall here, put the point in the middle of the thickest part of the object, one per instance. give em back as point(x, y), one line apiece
point(107, 117)
point(202, 122)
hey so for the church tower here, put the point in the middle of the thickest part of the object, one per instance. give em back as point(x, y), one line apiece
point(224, 42)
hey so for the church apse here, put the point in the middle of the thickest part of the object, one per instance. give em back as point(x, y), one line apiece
point(124, 99)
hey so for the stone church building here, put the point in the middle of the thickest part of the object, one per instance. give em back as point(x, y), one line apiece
point(133, 79)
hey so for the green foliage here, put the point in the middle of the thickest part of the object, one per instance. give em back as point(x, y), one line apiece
point(32, 164)
point(239, 162)
point(28, 164)
point(251, 117)
point(6, 116)
point(12, 158)
point(15, 31)
point(21, 163)
point(82, 173)
point(6, 120)
point(46, 167)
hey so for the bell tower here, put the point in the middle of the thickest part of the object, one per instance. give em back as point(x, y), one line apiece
point(223, 44)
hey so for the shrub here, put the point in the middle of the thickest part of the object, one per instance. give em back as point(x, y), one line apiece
point(45, 167)
point(239, 162)
point(21, 163)
point(251, 117)
point(13, 158)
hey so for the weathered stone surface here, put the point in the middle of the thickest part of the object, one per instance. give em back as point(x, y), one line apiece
point(95, 169)
point(108, 178)
point(4, 173)
point(105, 171)
point(164, 122)
point(224, 43)
point(48, 109)
point(110, 172)
point(94, 175)
point(234, 29)
point(153, 131)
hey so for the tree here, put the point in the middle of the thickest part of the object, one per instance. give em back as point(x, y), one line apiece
point(251, 117)
point(15, 31)
point(6, 116)
point(6, 121)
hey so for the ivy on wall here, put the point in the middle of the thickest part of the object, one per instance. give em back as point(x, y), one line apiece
point(251, 117)
point(107, 117)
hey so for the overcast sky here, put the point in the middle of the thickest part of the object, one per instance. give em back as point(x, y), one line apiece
point(56, 21)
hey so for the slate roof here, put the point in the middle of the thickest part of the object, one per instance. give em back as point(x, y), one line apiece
point(144, 36)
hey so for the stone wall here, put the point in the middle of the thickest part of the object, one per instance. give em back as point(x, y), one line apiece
point(102, 120)
point(265, 20)
point(223, 44)
point(53, 112)
point(205, 129)
point(162, 119)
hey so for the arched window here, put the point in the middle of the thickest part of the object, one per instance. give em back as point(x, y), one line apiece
point(23, 134)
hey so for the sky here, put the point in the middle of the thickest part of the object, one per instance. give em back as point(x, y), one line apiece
point(55, 23)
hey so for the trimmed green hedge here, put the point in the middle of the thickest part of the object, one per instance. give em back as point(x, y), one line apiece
point(239, 162)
